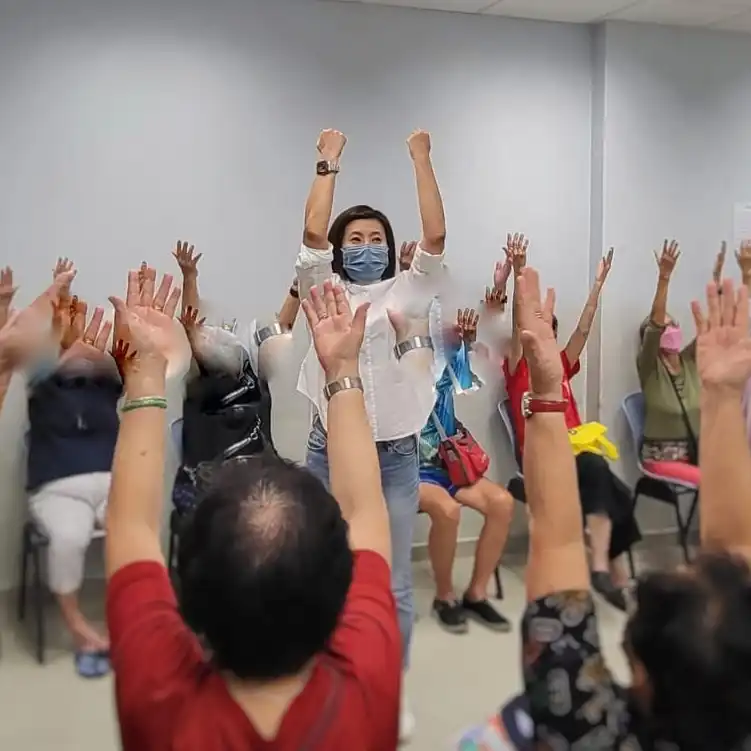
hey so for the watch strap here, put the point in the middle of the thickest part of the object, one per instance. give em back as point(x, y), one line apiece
point(531, 405)
point(414, 342)
point(342, 384)
point(274, 329)
point(327, 167)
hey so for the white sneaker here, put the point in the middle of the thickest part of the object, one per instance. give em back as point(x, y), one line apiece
point(406, 721)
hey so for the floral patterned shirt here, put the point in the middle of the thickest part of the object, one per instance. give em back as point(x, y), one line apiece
point(573, 700)
point(570, 697)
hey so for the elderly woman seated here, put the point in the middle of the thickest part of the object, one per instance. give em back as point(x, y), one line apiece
point(73, 425)
point(227, 405)
point(670, 383)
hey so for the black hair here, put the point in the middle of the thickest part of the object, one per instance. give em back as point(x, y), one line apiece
point(339, 227)
point(264, 566)
point(692, 633)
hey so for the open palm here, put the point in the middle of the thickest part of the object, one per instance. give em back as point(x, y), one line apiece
point(723, 344)
point(337, 333)
point(148, 315)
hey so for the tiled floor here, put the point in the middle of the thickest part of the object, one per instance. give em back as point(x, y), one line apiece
point(455, 681)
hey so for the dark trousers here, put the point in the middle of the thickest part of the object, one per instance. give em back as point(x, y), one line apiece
point(603, 494)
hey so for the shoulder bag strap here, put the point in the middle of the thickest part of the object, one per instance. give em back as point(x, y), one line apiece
point(691, 436)
point(439, 428)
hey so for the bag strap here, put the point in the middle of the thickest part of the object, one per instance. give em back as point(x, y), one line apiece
point(439, 428)
point(329, 711)
point(691, 437)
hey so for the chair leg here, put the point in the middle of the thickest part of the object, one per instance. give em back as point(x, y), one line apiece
point(631, 564)
point(24, 577)
point(682, 532)
point(39, 608)
point(171, 551)
point(498, 583)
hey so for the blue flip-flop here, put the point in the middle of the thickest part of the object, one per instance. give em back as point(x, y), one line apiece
point(91, 664)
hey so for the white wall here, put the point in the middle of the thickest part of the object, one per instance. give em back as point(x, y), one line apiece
point(677, 150)
point(124, 126)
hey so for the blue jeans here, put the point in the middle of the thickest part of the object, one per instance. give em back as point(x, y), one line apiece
point(400, 478)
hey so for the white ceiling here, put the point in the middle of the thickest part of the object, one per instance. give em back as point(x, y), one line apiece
point(730, 15)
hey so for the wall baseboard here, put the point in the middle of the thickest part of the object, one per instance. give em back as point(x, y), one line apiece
point(657, 549)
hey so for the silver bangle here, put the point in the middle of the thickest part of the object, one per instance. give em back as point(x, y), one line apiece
point(274, 329)
point(343, 384)
point(415, 342)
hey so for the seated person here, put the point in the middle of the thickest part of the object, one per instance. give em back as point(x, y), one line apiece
point(670, 383)
point(443, 501)
point(227, 406)
point(287, 586)
point(73, 424)
point(570, 698)
point(605, 500)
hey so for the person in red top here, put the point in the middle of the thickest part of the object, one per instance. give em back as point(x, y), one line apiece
point(285, 635)
point(605, 500)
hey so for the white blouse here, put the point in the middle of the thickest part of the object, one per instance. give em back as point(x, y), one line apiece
point(398, 399)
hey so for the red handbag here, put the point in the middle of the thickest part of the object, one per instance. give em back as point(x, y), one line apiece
point(465, 460)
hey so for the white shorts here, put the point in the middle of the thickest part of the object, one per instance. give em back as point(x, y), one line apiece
point(68, 511)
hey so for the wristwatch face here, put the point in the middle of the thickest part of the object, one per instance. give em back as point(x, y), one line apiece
point(322, 168)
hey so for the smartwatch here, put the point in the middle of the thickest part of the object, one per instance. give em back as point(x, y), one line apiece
point(325, 167)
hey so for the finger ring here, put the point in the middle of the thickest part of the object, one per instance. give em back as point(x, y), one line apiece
point(323, 315)
point(88, 340)
point(159, 308)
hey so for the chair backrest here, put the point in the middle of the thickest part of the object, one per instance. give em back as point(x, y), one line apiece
point(176, 432)
point(504, 410)
point(633, 409)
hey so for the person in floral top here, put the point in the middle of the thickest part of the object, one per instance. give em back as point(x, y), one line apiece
point(688, 637)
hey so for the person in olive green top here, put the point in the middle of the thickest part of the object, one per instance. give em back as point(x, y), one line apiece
point(670, 384)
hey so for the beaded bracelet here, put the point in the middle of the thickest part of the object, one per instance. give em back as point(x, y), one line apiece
point(158, 402)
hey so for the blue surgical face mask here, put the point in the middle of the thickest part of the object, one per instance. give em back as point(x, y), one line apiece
point(365, 264)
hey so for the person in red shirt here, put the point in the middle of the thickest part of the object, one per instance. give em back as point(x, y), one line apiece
point(285, 635)
point(605, 500)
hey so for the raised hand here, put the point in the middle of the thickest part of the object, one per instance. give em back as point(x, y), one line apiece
point(501, 274)
point(419, 144)
point(603, 268)
point(186, 260)
point(407, 254)
point(516, 251)
point(7, 290)
point(331, 144)
point(495, 300)
point(70, 319)
point(30, 330)
point(535, 318)
point(142, 274)
point(743, 256)
point(123, 357)
point(466, 321)
point(63, 266)
point(92, 344)
point(723, 344)
point(719, 263)
point(149, 315)
point(191, 322)
point(667, 259)
point(337, 333)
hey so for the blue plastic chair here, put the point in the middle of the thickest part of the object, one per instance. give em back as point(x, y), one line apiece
point(516, 483)
point(662, 489)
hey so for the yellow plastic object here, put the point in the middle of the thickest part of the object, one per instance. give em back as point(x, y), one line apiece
point(591, 437)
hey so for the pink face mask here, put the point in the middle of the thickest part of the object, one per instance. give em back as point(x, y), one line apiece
point(671, 340)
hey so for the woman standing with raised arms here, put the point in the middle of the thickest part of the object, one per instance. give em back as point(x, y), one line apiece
point(359, 251)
